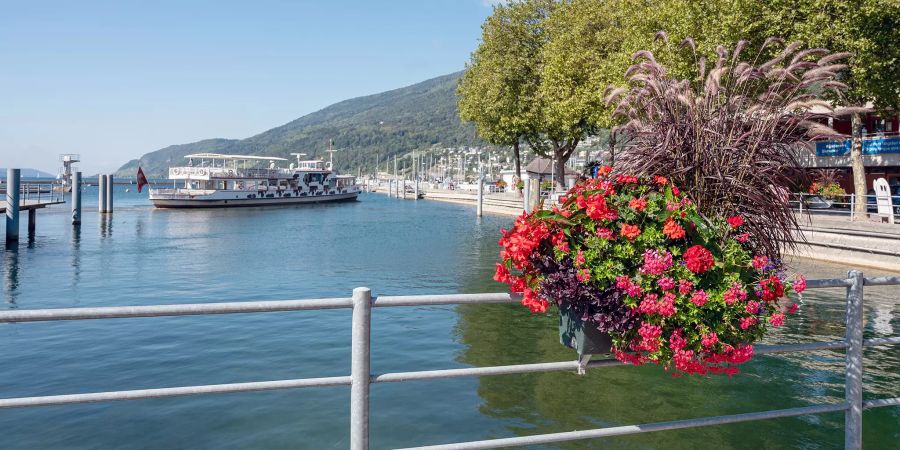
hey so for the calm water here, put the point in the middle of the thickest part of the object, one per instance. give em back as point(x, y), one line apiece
point(147, 256)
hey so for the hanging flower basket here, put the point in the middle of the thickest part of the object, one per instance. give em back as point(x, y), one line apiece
point(635, 269)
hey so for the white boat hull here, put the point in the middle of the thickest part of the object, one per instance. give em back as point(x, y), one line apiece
point(181, 201)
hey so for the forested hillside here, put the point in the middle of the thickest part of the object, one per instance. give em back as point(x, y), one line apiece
point(392, 122)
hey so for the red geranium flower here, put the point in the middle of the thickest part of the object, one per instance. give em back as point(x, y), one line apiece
point(698, 259)
point(637, 204)
point(735, 221)
point(672, 230)
point(630, 231)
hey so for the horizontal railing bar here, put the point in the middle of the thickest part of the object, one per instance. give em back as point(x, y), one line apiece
point(183, 309)
point(828, 283)
point(881, 341)
point(187, 309)
point(475, 371)
point(881, 402)
point(882, 281)
point(138, 394)
point(380, 378)
point(450, 299)
point(635, 429)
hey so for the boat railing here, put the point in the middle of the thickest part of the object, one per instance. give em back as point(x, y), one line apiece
point(360, 378)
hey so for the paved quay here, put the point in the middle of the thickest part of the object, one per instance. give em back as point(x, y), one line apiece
point(860, 243)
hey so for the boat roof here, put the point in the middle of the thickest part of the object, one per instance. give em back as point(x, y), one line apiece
point(237, 157)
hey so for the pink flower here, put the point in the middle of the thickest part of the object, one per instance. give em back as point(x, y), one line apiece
point(747, 322)
point(743, 237)
point(648, 304)
point(793, 308)
point(666, 283)
point(666, 307)
point(655, 263)
point(777, 319)
point(685, 286)
point(752, 307)
point(759, 262)
point(583, 275)
point(699, 297)
point(708, 340)
point(800, 284)
point(605, 233)
point(579, 258)
point(735, 293)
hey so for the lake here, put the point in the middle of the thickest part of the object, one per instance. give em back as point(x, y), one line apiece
point(395, 247)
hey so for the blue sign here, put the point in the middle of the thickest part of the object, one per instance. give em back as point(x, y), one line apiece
point(832, 148)
point(870, 146)
point(881, 145)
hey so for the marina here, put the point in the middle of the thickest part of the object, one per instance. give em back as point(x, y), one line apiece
point(138, 257)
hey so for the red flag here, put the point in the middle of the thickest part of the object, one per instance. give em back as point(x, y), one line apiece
point(141, 179)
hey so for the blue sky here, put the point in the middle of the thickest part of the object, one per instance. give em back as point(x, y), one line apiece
point(114, 80)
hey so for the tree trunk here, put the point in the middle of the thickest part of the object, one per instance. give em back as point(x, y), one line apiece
point(518, 160)
point(559, 167)
point(859, 170)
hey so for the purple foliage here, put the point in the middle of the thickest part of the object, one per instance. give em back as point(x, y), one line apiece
point(602, 307)
point(731, 137)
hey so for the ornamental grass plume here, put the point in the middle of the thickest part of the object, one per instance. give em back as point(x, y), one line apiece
point(730, 138)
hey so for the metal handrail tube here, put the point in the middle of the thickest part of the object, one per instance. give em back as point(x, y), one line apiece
point(137, 394)
point(829, 283)
point(475, 371)
point(183, 309)
point(383, 378)
point(881, 402)
point(450, 299)
point(882, 281)
point(188, 309)
point(635, 429)
point(893, 340)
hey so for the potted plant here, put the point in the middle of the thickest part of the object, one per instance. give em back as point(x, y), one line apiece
point(681, 270)
point(635, 270)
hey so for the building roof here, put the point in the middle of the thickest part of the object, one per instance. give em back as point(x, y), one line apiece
point(544, 166)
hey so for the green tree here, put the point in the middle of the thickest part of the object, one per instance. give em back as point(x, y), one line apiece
point(868, 30)
point(498, 91)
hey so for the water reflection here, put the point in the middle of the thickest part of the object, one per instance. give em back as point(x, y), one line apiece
point(105, 225)
point(11, 271)
point(554, 402)
point(76, 254)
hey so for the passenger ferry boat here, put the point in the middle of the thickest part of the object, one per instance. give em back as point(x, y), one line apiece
point(234, 180)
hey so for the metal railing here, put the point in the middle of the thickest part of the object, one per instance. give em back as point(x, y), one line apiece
point(39, 191)
point(843, 205)
point(361, 378)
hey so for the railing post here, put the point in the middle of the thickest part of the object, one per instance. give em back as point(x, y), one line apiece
point(854, 363)
point(852, 205)
point(360, 373)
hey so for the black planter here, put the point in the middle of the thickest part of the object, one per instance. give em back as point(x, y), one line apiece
point(581, 336)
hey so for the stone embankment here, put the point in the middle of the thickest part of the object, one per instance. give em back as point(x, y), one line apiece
point(861, 243)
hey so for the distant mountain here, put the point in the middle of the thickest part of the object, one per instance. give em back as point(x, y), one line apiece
point(29, 173)
point(389, 123)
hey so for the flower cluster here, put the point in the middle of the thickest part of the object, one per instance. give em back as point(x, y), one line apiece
point(634, 258)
